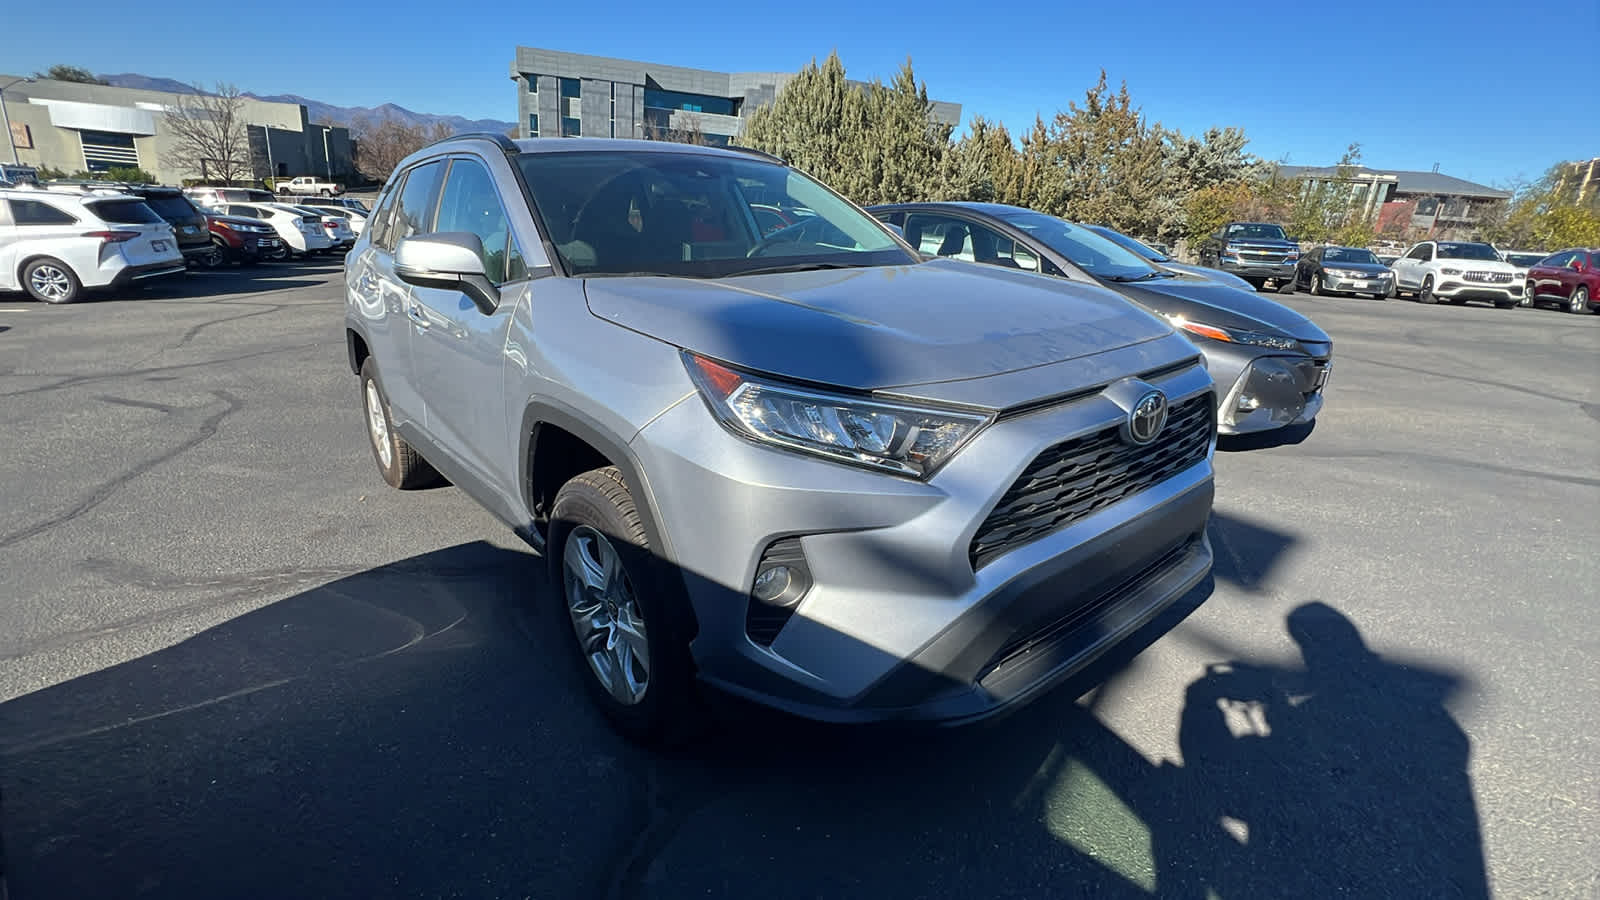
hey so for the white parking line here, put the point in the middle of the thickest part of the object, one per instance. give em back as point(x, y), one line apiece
point(14, 310)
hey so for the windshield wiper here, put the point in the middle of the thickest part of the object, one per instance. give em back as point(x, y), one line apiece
point(1124, 279)
point(795, 267)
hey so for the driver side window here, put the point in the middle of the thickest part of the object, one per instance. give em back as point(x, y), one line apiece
point(470, 203)
point(969, 241)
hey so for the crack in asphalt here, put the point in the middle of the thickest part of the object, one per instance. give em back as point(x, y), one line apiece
point(1582, 480)
point(74, 380)
point(208, 428)
point(1455, 377)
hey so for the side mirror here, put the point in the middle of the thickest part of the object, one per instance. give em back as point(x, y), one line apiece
point(449, 261)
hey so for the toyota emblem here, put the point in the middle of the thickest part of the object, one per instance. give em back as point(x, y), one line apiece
point(1147, 417)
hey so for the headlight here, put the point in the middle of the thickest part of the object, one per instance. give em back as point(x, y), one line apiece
point(1449, 271)
point(1234, 335)
point(888, 436)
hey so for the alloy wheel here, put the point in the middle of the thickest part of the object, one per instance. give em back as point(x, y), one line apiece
point(1316, 284)
point(51, 282)
point(378, 425)
point(1527, 295)
point(605, 614)
point(1580, 301)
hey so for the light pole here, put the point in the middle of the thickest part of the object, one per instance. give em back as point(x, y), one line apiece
point(6, 119)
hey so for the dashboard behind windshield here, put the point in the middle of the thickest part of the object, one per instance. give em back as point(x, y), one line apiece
point(1256, 231)
point(692, 214)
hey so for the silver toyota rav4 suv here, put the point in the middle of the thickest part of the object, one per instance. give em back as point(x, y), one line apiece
point(805, 466)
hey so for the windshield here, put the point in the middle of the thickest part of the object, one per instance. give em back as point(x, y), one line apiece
point(1087, 249)
point(1256, 231)
point(1349, 255)
point(1524, 260)
point(1484, 252)
point(642, 212)
point(125, 212)
point(1128, 243)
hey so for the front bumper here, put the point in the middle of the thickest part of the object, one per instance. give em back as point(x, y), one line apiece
point(1368, 284)
point(1262, 390)
point(898, 625)
point(1491, 293)
point(1247, 269)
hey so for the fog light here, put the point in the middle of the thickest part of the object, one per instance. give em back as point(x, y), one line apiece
point(781, 582)
point(771, 583)
point(1248, 403)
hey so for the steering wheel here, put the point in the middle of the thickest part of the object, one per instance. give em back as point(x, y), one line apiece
point(793, 234)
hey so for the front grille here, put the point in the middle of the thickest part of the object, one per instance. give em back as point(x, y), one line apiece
point(1490, 277)
point(1267, 257)
point(1074, 478)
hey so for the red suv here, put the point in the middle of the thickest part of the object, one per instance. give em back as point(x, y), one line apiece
point(1569, 277)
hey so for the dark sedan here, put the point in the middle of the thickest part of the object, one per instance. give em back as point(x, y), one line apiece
point(1164, 260)
point(1269, 362)
point(1344, 270)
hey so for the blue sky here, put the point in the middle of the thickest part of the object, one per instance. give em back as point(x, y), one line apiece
point(1471, 85)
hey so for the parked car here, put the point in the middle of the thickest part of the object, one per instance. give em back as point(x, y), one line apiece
point(56, 245)
point(187, 221)
point(1258, 252)
point(353, 211)
point(1343, 270)
point(215, 197)
point(1569, 277)
point(792, 466)
point(239, 239)
point(309, 186)
point(1522, 260)
point(301, 232)
point(337, 227)
point(1162, 259)
point(1270, 362)
point(15, 175)
point(1456, 272)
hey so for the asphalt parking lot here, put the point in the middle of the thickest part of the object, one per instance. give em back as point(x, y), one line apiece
point(234, 664)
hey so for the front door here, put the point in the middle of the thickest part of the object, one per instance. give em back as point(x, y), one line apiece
point(458, 349)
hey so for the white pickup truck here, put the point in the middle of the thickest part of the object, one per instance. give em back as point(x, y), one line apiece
point(307, 185)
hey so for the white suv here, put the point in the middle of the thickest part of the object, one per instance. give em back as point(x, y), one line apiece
point(55, 245)
point(1457, 271)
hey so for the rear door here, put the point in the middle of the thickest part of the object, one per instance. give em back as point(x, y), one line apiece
point(1548, 277)
point(8, 248)
point(457, 349)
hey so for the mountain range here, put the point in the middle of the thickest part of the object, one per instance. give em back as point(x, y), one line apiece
point(319, 111)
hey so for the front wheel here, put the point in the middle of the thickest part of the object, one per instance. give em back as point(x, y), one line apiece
point(51, 281)
point(1579, 305)
point(1426, 294)
point(630, 643)
point(1527, 295)
point(1316, 284)
point(1257, 283)
point(215, 255)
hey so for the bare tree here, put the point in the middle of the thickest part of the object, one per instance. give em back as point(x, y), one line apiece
point(381, 145)
point(687, 131)
point(210, 137)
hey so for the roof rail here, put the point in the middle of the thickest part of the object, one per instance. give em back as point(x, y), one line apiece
point(504, 142)
point(754, 152)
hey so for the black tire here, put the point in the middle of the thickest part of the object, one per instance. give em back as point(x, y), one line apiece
point(1579, 304)
point(668, 711)
point(1257, 283)
point(405, 468)
point(1316, 284)
point(49, 280)
point(1426, 294)
point(215, 256)
point(1505, 304)
point(1286, 286)
point(326, 193)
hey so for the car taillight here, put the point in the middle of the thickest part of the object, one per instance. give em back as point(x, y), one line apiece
point(112, 237)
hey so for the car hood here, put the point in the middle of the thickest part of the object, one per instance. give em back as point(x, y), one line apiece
point(1190, 272)
point(879, 327)
point(1262, 242)
point(1477, 265)
point(1223, 306)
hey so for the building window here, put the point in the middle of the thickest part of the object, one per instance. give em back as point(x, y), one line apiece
point(533, 124)
point(569, 87)
point(571, 127)
point(106, 150)
point(701, 103)
point(533, 83)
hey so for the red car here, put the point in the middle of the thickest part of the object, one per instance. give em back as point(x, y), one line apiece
point(1569, 277)
point(238, 239)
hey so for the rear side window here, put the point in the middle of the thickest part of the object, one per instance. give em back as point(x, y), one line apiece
point(126, 212)
point(32, 212)
point(414, 215)
point(385, 214)
point(246, 211)
point(173, 206)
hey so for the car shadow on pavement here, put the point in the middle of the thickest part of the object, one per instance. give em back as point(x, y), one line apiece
point(1287, 436)
point(419, 729)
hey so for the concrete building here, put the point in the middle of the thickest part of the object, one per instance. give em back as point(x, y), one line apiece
point(1420, 203)
point(570, 94)
point(77, 127)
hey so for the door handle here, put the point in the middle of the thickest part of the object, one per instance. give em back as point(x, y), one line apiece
point(414, 313)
